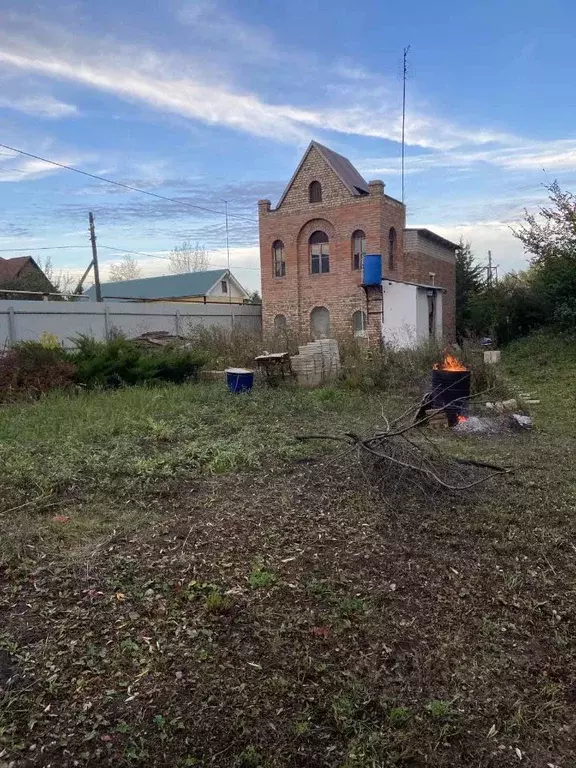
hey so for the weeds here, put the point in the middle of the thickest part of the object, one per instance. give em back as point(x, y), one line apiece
point(260, 579)
point(439, 708)
point(217, 603)
point(399, 716)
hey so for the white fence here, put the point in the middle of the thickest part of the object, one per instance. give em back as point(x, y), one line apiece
point(28, 320)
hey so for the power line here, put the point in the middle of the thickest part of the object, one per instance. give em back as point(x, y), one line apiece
point(42, 248)
point(121, 184)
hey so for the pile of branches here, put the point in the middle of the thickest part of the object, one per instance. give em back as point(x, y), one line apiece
point(403, 456)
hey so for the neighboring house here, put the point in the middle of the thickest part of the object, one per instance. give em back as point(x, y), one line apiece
point(22, 274)
point(312, 248)
point(213, 285)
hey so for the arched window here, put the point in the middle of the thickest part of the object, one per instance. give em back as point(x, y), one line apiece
point(359, 323)
point(278, 258)
point(280, 323)
point(319, 253)
point(315, 192)
point(391, 248)
point(320, 323)
point(358, 248)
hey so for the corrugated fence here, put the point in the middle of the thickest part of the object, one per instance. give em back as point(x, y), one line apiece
point(28, 320)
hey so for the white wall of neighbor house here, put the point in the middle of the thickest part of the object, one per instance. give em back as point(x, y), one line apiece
point(28, 320)
point(232, 290)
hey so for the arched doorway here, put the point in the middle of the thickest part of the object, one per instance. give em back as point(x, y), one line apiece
point(320, 323)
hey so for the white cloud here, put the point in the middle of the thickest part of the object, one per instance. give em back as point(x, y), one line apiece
point(495, 236)
point(554, 156)
point(39, 106)
point(185, 85)
point(16, 167)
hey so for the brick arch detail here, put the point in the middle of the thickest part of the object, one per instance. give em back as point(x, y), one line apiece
point(311, 226)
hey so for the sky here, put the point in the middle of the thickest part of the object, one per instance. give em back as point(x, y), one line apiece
point(206, 101)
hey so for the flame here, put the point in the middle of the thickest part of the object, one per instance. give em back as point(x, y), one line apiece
point(450, 363)
point(462, 419)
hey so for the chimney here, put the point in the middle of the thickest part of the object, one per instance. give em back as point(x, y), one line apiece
point(376, 188)
point(263, 207)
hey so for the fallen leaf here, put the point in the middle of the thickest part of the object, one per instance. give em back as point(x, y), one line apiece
point(120, 596)
point(320, 631)
point(63, 519)
point(518, 753)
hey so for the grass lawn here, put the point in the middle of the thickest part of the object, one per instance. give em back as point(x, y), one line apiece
point(183, 584)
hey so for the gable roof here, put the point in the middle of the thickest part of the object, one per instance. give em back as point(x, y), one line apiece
point(11, 268)
point(341, 166)
point(163, 287)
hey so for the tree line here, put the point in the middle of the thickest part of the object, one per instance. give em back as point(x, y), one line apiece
point(542, 295)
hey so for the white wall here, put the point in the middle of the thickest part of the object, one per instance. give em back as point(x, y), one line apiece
point(400, 321)
point(233, 290)
point(27, 320)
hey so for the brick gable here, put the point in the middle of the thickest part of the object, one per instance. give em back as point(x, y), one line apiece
point(313, 168)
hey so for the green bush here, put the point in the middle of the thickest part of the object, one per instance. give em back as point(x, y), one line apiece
point(121, 362)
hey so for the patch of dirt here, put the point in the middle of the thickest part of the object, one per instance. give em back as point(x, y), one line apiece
point(290, 618)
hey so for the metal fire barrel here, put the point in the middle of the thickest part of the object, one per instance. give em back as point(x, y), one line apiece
point(451, 390)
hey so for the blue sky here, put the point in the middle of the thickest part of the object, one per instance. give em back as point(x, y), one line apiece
point(206, 100)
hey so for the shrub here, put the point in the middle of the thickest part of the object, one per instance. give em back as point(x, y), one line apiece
point(30, 369)
point(119, 361)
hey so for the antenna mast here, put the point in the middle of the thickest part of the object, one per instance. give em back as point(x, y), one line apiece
point(404, 71)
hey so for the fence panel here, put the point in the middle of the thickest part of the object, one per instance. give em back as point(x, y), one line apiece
point(28, 320)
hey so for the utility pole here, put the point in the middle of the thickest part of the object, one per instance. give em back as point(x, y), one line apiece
point(228, 250)
point(95, 258)
point(404, 71)
point(491, 271)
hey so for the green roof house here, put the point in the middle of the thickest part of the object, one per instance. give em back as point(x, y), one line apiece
point(217, 285)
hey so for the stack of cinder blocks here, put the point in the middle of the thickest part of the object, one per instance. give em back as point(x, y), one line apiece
point(316, 362)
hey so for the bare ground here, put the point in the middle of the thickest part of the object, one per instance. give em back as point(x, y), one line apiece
point(292, 617)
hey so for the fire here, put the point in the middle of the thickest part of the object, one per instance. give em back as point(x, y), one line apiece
point(462, 419)
point(450, 363)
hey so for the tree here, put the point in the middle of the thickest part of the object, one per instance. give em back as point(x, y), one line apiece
point(188, 258)
point(507, 309)
point(254, 298)
point(62, 282)
point(469, 283)
point(550, 238)
point(126, 269)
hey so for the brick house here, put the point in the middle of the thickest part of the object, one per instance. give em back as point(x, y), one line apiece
point(312, 248)
point(21, 273)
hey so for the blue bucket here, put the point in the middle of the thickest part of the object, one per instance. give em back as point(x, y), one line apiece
point(239, 380)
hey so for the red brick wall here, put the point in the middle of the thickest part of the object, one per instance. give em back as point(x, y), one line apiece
point(423, 257)
point(339, 215)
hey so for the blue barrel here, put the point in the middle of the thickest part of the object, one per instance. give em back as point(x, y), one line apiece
point(372, 269)
point(239, 380)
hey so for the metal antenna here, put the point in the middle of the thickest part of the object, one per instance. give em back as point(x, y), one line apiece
point(404, 71)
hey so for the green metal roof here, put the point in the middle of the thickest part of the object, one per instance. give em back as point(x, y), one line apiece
point(163, 287)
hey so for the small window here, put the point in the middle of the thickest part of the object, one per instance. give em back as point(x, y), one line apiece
point(280, 323)
point(224, 286)
point(432, 276)
point(391, 249)
point(278, 258)
point(319, 253)
point(358, 249)
point(359, 323)
point(315, 192)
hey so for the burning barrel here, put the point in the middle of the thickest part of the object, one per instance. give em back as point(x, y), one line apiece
point(450, 387)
